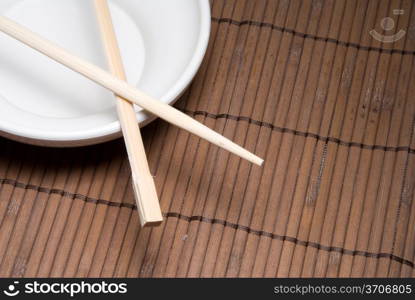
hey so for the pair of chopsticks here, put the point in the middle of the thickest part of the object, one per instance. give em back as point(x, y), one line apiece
point(143, 183)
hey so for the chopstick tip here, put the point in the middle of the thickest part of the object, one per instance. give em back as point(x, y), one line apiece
point(151, 223)
point(258, 161)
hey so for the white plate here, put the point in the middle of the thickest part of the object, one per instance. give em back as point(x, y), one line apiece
point(41, 102)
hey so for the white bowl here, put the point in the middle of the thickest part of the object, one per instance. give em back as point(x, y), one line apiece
point(41, 102)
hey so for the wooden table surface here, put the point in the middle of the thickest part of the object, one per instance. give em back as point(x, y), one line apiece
point(301, 83)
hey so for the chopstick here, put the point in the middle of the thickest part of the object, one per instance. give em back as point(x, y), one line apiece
point(144, 188)
point(123, 89)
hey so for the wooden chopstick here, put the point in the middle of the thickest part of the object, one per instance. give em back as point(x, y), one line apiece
point(144, 188)
point(122, 88)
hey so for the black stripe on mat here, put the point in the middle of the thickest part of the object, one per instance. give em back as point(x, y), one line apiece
point(214, 221)
point(310, 36)
point(301, 133)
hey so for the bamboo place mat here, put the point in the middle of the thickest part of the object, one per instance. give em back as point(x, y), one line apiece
point(302, 84)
